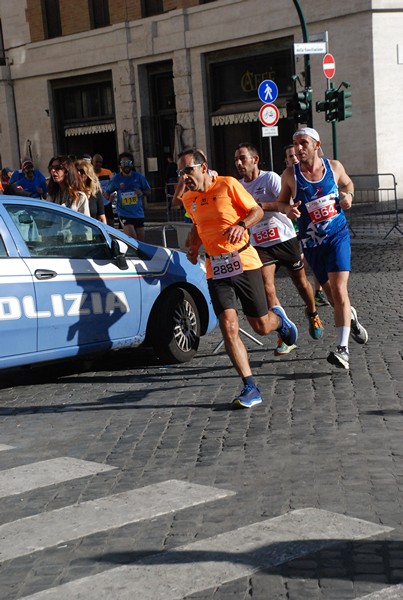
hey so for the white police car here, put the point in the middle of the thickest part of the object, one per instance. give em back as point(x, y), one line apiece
point(71, 286)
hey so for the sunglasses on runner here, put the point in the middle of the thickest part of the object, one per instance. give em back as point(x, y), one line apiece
point(187, 170)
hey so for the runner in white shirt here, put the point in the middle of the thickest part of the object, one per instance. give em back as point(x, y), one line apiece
point(275, 239)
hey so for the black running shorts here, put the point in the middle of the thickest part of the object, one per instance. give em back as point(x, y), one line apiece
point(247, 287)
point(285, 254)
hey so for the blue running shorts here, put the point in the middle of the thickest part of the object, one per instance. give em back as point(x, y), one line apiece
point(331, 257)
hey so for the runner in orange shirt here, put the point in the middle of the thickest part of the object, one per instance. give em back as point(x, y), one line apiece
point(222, 211)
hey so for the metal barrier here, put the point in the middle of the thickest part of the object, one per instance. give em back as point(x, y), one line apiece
point(375, 208)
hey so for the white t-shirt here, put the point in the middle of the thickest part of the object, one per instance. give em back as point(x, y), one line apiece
point(275, 227)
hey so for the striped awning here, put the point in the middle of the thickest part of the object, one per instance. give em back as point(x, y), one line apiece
point(89, 129)
point(235, 118)
point(242, 117)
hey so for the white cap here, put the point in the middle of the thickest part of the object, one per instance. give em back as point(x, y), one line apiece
point(312, 133)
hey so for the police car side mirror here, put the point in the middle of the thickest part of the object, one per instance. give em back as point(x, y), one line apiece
point(119, 250)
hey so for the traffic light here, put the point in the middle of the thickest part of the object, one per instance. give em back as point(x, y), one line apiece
point(299, 107)
point(343, 105)
point(332, 105)
point(321, 106)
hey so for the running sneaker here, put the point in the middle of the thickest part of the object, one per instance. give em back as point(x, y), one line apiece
point(358, 333)
point(315, 326)
point(339, 358)
point(287, 330)
point(320, 298)
point(249, 396)
point(282, 348)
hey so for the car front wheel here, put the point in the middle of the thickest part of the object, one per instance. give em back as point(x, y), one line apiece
point(174, 328)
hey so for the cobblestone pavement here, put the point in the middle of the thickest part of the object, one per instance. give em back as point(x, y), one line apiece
point(322, 439)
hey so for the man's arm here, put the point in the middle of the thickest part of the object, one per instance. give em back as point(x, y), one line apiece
point(236, 231)
point(178, 193)
point(273, 188)
point(284, 201)
point(345, 185)
point(194, 242)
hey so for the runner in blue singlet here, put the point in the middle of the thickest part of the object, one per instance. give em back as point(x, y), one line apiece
point(315, 192)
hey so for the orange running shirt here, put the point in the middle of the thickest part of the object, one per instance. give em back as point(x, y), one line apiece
point(224, 204)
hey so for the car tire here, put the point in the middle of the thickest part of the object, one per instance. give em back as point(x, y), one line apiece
point(174, 327)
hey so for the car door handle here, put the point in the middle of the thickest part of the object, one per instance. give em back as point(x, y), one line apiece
point(44, 274)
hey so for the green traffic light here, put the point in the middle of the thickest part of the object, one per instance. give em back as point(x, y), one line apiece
point(300, 105)
point(344, 104)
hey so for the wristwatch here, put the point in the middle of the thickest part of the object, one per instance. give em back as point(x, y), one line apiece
point(242, 224)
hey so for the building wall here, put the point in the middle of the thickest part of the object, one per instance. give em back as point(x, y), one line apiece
point(364, 43)
point(387, 93)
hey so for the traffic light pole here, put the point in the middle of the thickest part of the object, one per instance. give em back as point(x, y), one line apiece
point(307, 57)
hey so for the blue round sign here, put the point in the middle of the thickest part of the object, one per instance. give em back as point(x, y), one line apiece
point(267, 91)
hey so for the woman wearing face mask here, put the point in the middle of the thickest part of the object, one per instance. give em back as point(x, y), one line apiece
point(65, 186)
point(92, 189)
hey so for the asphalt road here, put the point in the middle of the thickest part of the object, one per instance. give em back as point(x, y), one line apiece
point(123, 478)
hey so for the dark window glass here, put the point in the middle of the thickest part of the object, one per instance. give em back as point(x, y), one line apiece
point(88, 102)
point(51, 18)
point(53, 234)
point(152, 7)
point(99, 13)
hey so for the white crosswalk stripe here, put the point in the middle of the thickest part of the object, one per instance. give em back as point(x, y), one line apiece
point(394, 592)
point(47, 472)
point(72, 522)
point(209, 563)
point(4, 447)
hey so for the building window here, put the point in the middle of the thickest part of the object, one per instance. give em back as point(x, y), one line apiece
point(152, 7)
point(87, 103)
point(51, 18)
point(99, 13)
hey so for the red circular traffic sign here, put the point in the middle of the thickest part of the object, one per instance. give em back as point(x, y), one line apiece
point(269, 115)
point(329, 66)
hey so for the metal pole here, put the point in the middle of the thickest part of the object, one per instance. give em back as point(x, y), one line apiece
point(271, 154)
point(307, 57)
point(334, 132)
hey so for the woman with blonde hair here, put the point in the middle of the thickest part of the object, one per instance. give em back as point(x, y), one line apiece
point(65, 185)
point(92, 189)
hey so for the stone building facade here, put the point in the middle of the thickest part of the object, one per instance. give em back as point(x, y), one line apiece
point(152, 76)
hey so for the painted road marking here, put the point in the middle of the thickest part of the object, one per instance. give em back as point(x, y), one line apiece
point(47, 472)
point(394, 592)
point(5, 447)
point(41, 531)
point(210, 563)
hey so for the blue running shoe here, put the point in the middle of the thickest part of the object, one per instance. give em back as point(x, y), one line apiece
point(249, 396)
point(283, 348)
point(315, 326)
point(287, 330)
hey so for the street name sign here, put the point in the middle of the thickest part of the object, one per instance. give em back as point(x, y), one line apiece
point(310, 48)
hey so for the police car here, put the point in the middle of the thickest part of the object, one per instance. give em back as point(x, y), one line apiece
point(70, 286)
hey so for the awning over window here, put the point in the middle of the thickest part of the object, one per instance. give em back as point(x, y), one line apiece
point(247, 116)
point(235, 119)
point(89, 129)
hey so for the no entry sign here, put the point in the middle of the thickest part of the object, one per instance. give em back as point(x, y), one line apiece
point(329, 66)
